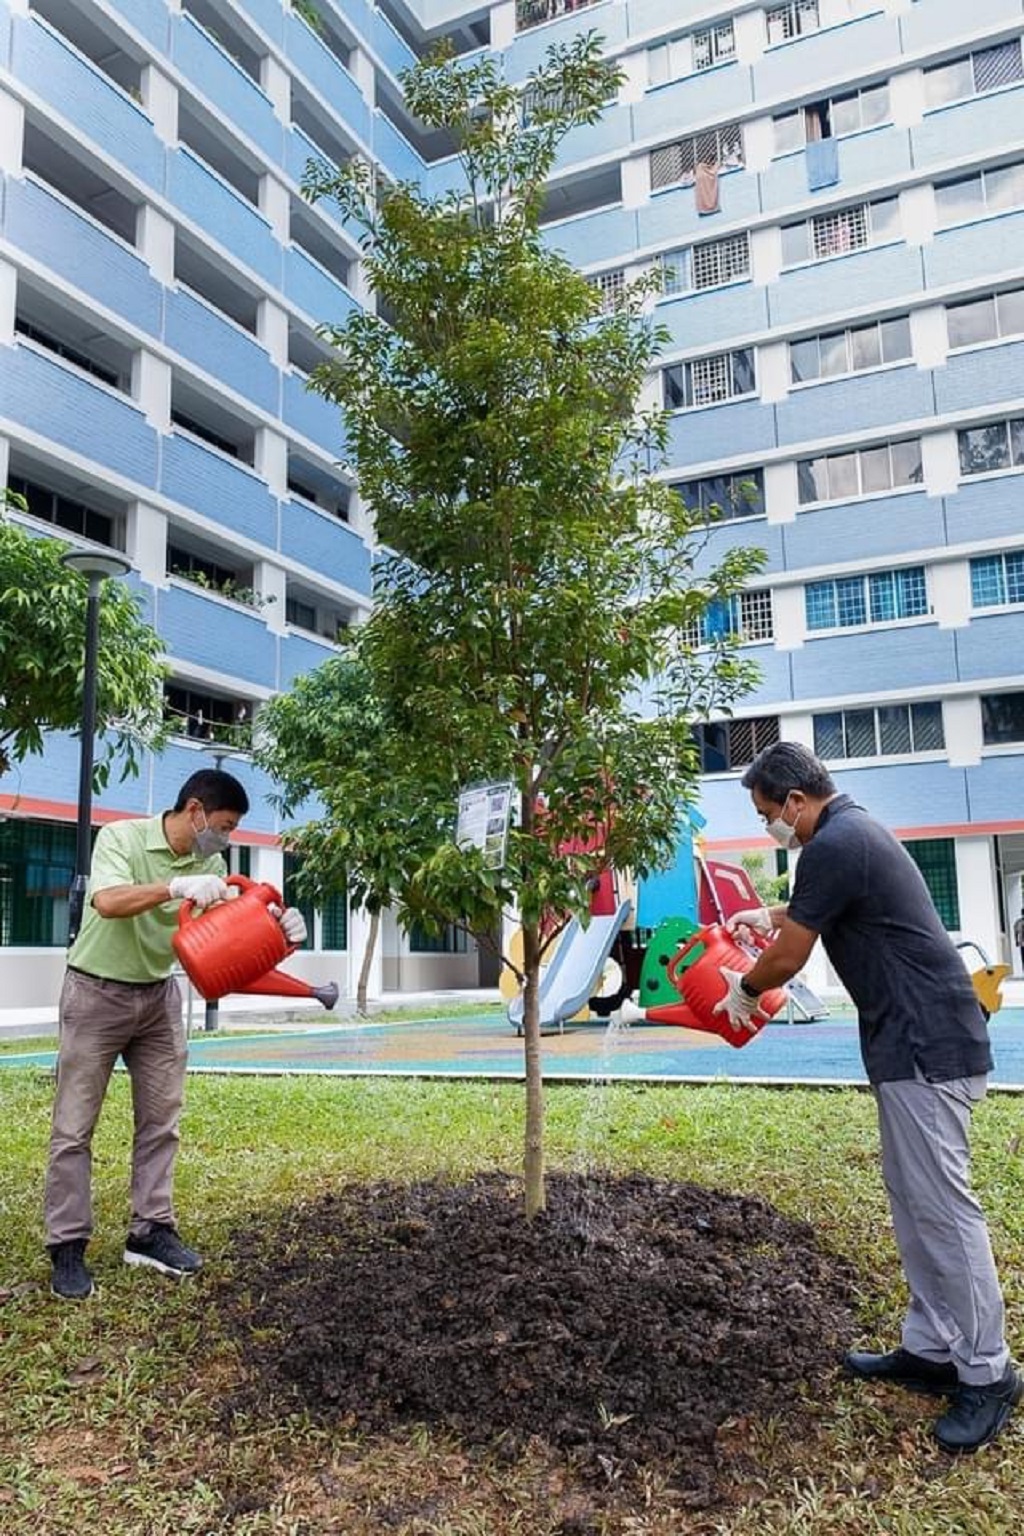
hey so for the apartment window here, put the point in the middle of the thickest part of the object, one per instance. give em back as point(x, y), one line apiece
point(935, 857)
point(37, 861)
point(979, 196)
point(847, 602)
point(726, 496)
point(302, 615)
point(850, 351)
point(1002, 720)
point(863, 472)
point(888, 731)
point(610, 287)
point(992, 318)
point(998, 445)
point(834, 118)
point(690, 54)
point(997, 580)
point(196, 568)
point(728, 744)
point(208, 716)
point(452, 940)
point(710, 380)
point(68, 353)
point(842, 231)
point(533, 13)
point(64, 511)
point(711, 264)
point(716, 45)
point(675, 164)
point(795, 19)
point(745, 616)
point(975, 73)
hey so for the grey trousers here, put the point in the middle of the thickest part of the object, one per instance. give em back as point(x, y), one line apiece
point(99, 1021)
point(956, 1307)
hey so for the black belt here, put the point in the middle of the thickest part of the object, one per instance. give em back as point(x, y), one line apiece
point(91, 976)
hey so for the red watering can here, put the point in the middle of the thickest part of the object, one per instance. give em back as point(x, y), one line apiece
point(235, 945)
point(702, 985)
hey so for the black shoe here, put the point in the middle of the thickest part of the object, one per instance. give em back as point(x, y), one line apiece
point(976, 1414)
point(69, 1278)
point(902, 1369)
point(164, 1250)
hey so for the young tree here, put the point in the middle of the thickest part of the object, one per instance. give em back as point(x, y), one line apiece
point(539, 619)
point(42, 652)
point(377, 813)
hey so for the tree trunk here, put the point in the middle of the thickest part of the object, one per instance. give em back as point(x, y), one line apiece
point(364, 969)
point(533, 1163)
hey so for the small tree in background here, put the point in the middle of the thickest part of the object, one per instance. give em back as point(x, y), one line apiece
point(378, 816)
point(538, 621)
point(42, 654)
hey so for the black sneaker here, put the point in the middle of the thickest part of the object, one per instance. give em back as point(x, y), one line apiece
point(900, 1368)
point(69, 1278)
point(976, 1414)
point(164, 1250)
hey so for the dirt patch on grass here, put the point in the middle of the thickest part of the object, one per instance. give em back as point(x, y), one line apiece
point(638, 1323)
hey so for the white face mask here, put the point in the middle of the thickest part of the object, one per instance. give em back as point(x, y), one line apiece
point(781, 831)
point(206, 840)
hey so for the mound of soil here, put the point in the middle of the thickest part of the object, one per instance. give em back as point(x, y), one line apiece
point(625, 1325)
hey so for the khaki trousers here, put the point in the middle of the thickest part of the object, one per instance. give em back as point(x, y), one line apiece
point(99, 1021)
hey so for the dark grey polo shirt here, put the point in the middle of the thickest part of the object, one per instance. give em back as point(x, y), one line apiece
point(862, 892)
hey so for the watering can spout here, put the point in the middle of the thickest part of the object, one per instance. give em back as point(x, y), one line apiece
point(279, 984)
point(327, 994)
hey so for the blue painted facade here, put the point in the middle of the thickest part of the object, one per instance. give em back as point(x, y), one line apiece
point(210, 284)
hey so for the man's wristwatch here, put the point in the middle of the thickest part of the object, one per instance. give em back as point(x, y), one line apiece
point(748, 990)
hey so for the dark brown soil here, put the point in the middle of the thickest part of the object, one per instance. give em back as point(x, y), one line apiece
point(633, 1323)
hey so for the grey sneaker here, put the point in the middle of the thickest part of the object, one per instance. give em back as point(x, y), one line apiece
point(69, 1277)
point(164, 1250)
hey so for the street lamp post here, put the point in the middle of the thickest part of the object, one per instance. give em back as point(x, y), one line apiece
point(96, 568)
point(218, 751)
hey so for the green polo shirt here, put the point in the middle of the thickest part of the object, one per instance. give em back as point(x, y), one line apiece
point(134, 948)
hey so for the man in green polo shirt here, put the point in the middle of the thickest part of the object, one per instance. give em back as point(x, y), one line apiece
point(120, 999)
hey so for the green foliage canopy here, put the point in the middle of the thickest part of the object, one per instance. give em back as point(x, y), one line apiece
point(42, 654)
point(536, 617)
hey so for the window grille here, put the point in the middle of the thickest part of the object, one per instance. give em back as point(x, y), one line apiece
point(756, 619)
point(727, 744)
point(795, 19)
point(746, 616)
point(715, 46)
point(64, 512)
point(935, 857)
point(610, 286)
point(846, 229)
point(998, 66)
point(849, 601)
point(997, 580)
point(721, 261)
point(709, 380)
point(676, 163)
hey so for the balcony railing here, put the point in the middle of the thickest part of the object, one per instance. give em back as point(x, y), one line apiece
point(533, 13)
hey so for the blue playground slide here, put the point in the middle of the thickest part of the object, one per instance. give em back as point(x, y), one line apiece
point(575, 972)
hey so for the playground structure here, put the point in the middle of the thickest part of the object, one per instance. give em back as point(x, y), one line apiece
point(657, 960)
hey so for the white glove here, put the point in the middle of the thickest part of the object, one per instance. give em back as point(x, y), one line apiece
point(736, 1005)
point(204, 890)
point(293, 925)
point(758, 918)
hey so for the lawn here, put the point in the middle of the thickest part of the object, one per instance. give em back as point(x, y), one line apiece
point(112, 1413)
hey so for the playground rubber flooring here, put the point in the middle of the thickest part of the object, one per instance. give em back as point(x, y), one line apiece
point(825, 1052)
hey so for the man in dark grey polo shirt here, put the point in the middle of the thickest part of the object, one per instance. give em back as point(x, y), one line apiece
point(926, 1052)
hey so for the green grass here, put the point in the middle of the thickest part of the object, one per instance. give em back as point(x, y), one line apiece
point(110, 1420)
